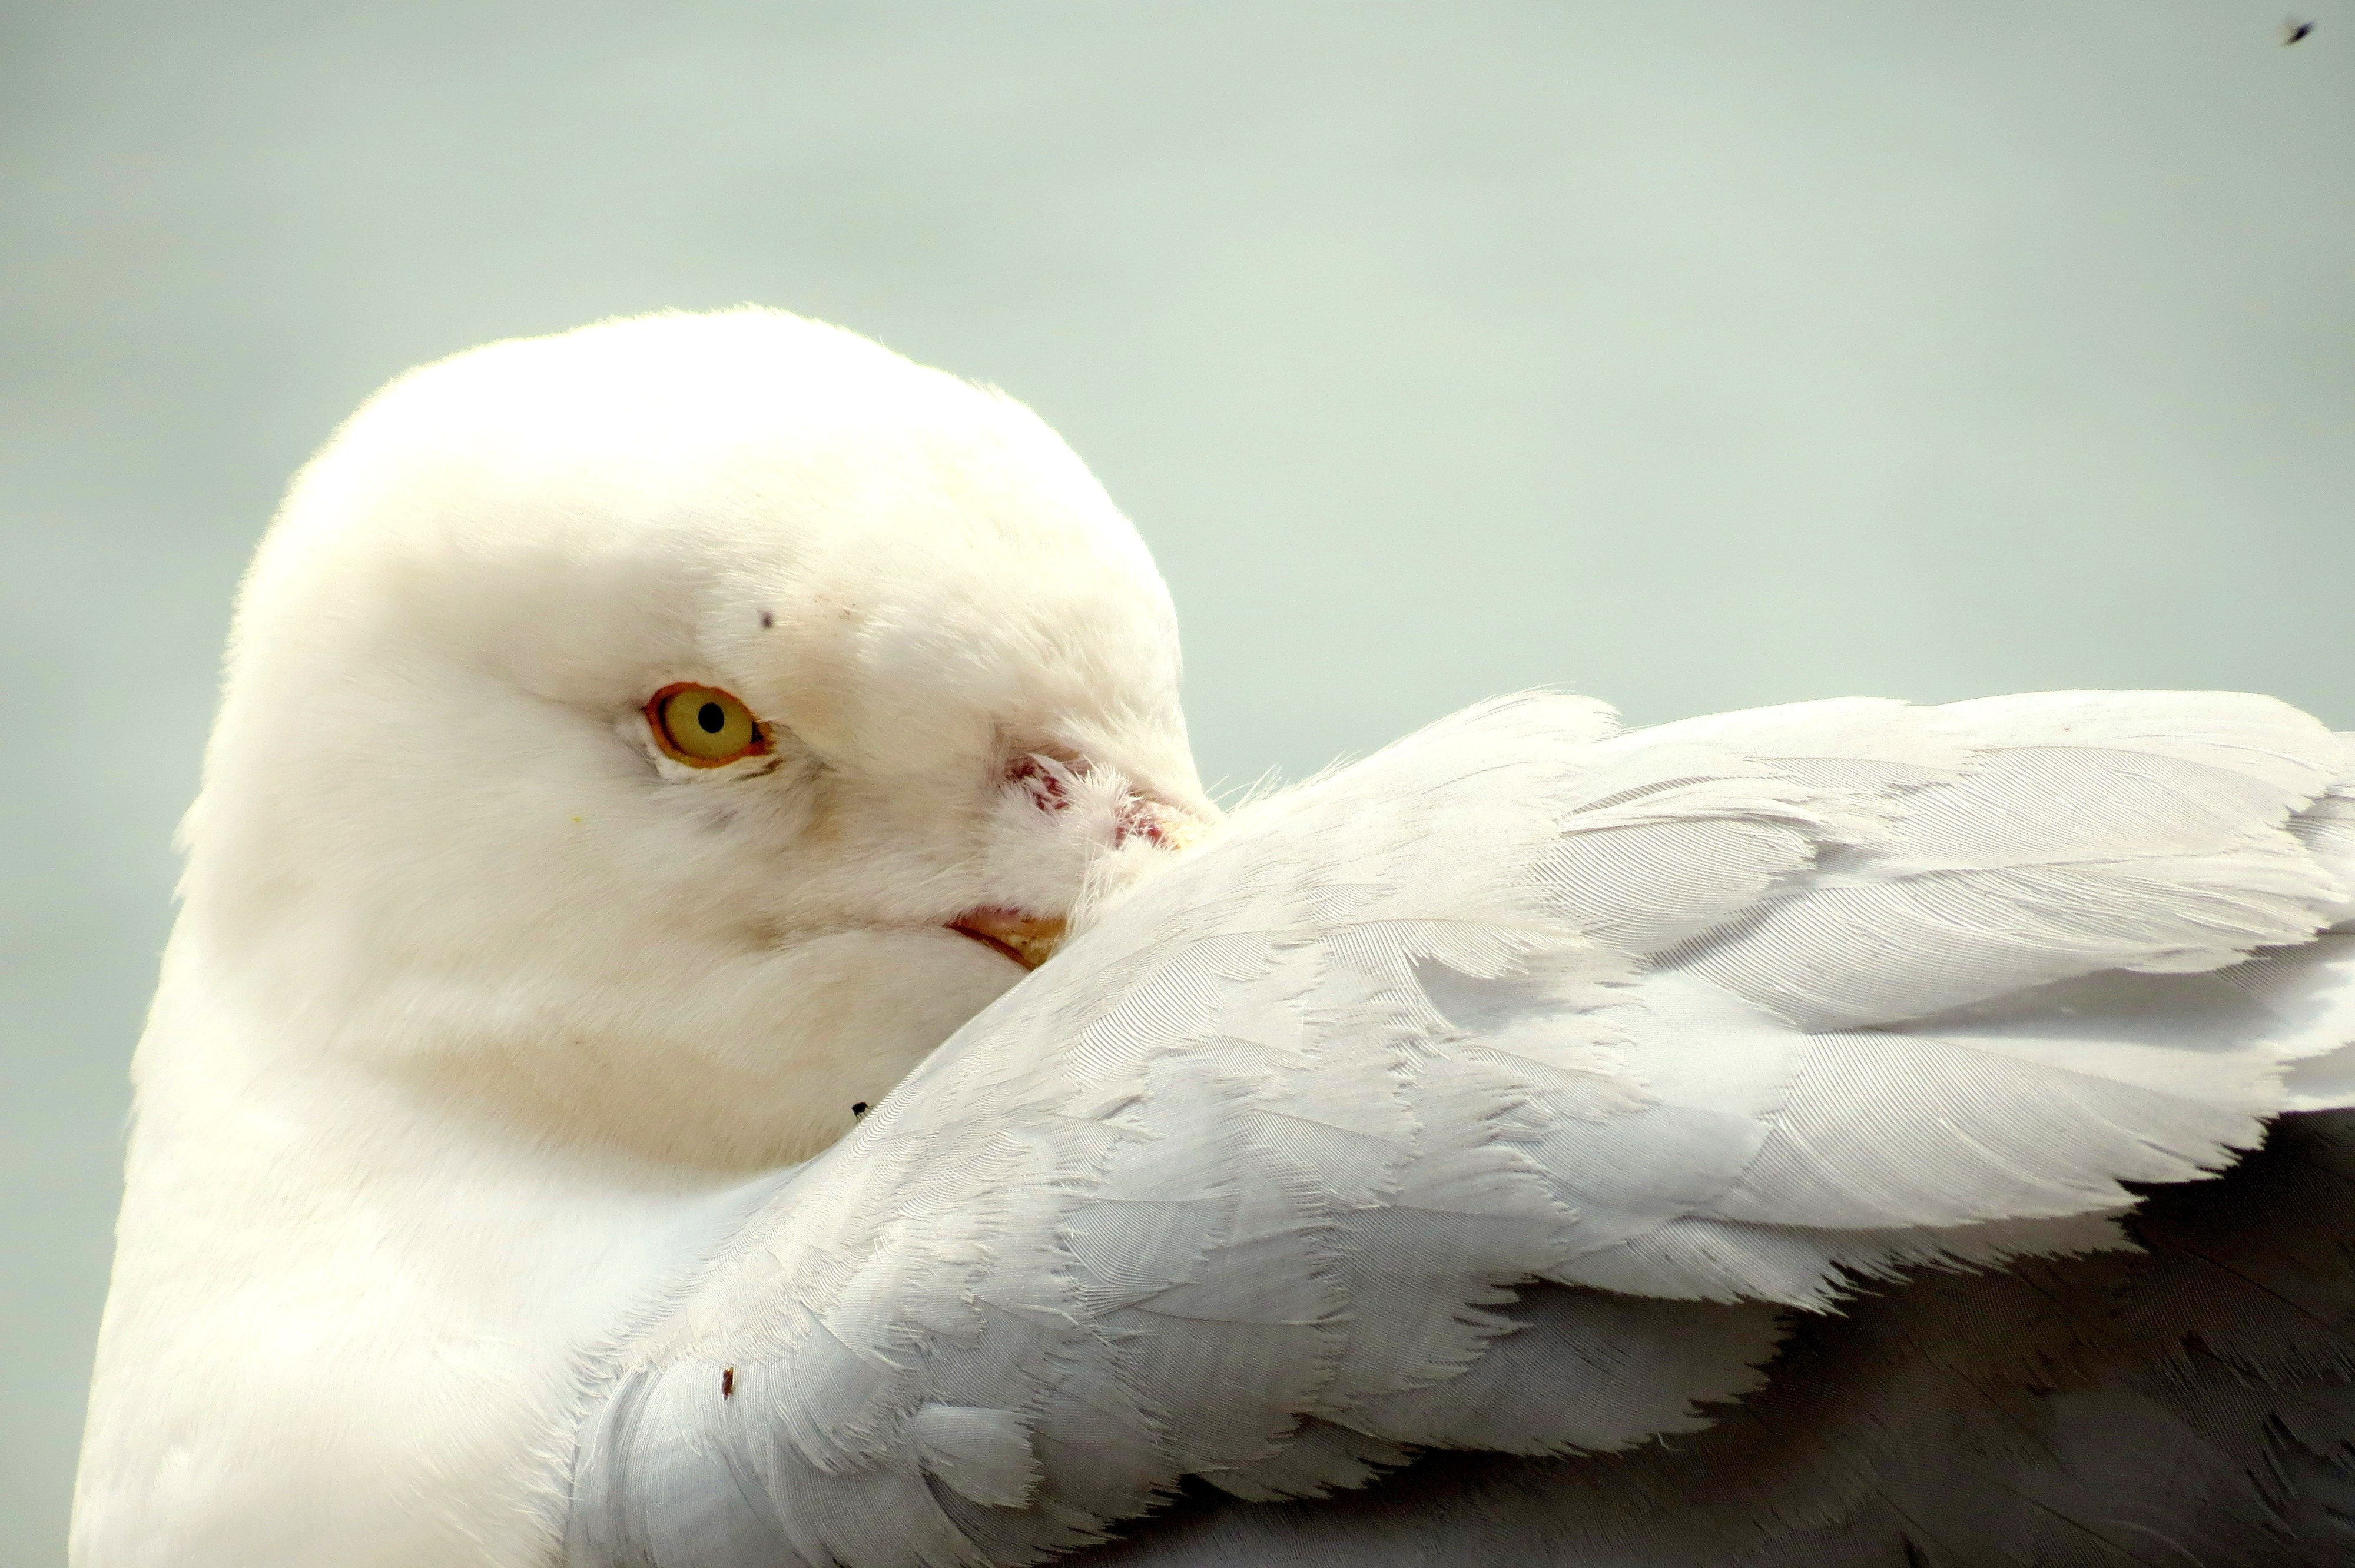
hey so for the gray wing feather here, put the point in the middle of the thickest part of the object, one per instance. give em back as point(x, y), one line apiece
point(2190, 1403)
point(1242, 1185)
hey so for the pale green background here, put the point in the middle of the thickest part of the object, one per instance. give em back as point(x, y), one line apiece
point(1698, 355)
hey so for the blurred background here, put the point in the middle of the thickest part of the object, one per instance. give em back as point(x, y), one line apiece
point(1695, 356)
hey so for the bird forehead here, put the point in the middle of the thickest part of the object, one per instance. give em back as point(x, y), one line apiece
point(745, 498)
point(906, 645)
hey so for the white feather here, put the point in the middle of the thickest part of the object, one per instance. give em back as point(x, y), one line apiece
point(1492, 1093)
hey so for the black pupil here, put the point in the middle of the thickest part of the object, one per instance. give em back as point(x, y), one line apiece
point(709, 717)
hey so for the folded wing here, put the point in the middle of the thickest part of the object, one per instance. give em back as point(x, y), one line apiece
point(1680, 1024)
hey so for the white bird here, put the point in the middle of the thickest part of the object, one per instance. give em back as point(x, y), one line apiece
point(593, 1110)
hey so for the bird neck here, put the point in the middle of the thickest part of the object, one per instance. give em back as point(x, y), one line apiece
point(325, 1270)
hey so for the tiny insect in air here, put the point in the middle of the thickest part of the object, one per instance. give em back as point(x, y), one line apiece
point(2292, 30)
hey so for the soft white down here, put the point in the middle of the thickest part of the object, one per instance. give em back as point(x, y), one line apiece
point(547, 1152)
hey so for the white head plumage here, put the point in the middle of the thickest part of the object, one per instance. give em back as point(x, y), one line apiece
point(483, 978)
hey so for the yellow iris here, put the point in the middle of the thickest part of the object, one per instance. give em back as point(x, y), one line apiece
point(704, 726)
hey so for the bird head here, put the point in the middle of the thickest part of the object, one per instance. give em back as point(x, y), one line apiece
point(661, 735)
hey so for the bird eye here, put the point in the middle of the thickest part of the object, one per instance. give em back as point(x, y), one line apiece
point(703, 727)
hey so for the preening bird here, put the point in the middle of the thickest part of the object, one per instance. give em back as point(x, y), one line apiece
point(713, 1025)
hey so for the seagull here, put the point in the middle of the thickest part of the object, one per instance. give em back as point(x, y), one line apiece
point(712, 1023)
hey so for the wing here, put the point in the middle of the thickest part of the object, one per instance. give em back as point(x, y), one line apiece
point(1680, 1024)
point(2193, 1402)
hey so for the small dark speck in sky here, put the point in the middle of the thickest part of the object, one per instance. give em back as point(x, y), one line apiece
point(2292, 30)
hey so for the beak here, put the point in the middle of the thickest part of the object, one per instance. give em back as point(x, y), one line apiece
point(1026, 939)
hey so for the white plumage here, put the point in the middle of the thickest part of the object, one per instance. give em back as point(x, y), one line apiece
point(1729, 1134)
